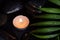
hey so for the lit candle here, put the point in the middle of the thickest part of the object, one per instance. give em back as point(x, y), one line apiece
point(21, 22)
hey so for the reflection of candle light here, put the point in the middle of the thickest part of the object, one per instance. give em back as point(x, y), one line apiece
point(21, 22)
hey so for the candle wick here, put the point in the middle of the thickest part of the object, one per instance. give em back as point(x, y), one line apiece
point(21, 20)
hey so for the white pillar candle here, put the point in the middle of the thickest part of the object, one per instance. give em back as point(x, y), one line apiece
point(21, 22)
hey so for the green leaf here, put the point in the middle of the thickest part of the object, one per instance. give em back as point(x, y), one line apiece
point(46, 30)
point(50, 10)
point(46, 23)
point(45, 36)
point(49, 16)
point(55, 1)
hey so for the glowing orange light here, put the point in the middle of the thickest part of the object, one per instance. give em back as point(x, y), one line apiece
point(21, 22)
